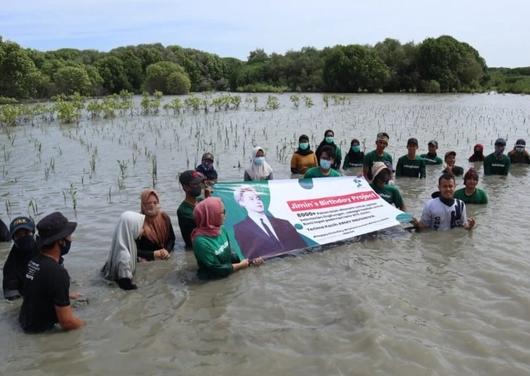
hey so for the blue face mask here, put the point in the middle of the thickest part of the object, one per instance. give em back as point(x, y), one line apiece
point(325, 164)
point(258, 161)
point(329, 139)
point(303, 145)
point(356, 148)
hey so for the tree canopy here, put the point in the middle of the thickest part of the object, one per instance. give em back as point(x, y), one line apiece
point(441, 64)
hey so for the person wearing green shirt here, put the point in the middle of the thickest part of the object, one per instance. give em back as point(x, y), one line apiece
point(497, 163)
point(411, 165)
point(211, 245)
point(377, 155)
point(389, 193)
point(192, 183)
point(471, 194)
point(431, 158)
point(450, 166)
point(324, 170)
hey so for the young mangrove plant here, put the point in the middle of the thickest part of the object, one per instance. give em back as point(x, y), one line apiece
point(273, 103)
point(295, 100)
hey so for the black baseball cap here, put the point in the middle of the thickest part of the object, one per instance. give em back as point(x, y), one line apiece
point(53, 227)
point(21, 223)
point(500, 141)
point(433, 142)
point(191, 177)
point(412, 141)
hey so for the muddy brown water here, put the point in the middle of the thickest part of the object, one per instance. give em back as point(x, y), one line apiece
point(399, 303)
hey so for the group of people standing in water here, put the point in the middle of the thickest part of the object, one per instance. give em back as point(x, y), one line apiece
point(34, 268)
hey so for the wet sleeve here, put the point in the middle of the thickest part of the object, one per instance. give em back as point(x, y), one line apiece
point(464, 212)
point(10, 281)
point(206, 257)
point(399, 167)
point(426, 217)
point(60, 289)
point(487, 166)
point(171, 240)
point(186, 225)
point(423, 173)
point(398, 200)
point(507, 166)
point(145, 251)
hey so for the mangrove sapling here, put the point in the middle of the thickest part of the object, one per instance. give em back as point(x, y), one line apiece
point(308, 101)
point(295, 100)
point(273, 103)
point(154, 170)
point(33, 209)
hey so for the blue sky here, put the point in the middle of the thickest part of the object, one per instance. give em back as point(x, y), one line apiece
point(499, 30)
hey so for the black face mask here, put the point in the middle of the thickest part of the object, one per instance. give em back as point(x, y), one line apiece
point(65, 248)
point(195, 191)
point(25, 243)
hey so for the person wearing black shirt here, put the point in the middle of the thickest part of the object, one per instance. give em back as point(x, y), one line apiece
point(47, 285)
point(24, 248)
point(354, 157)
point(207, 169)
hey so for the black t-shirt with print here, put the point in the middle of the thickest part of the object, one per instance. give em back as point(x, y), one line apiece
point(47, 285)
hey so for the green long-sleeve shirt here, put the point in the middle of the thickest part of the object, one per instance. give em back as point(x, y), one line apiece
point(214, 256)
point(494, 165)
point(413, 168)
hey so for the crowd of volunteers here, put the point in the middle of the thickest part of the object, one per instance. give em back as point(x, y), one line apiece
point(34, 269)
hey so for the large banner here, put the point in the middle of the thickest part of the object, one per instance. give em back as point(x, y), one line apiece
point(269, 218)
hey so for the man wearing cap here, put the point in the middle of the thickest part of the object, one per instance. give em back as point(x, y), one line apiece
point(207, 169)
point(411, 165)
point(46, 290)
point(24, 248)
point(431, 158)
point(380, 185)
point(377, 155)
point(450, 164)
point(519, 154)
point(192, 183)
point(497, 163)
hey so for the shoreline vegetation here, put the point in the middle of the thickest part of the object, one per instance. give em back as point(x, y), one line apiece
point(436, 65)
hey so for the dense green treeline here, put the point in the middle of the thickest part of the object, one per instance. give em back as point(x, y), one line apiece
point(435, 65)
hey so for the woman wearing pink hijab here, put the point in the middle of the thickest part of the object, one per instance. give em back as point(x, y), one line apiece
point(210, 242)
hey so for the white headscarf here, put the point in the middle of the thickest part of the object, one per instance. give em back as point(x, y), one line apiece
point(260, 172)
point(121, 262)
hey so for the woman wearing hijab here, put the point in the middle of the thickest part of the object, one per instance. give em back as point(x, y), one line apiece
point(211, 245)
point(303, 158)
point(158, 237)
point(478, 154)
point(121, 262)
point(330, 141)
point(355, 157)
point(259, 169)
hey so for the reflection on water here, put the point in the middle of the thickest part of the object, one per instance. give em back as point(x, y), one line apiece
point(396, 303)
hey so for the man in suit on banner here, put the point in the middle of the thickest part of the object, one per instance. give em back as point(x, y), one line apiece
point(260, 234)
